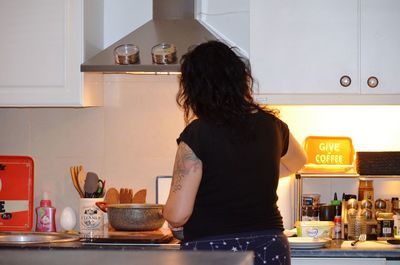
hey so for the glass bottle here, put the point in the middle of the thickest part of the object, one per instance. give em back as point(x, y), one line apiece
point(385, 226)
point(365, 190)
point(351, 224)
point(360, 226)
point(337, 228)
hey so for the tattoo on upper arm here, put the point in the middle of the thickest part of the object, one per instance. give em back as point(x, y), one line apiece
point(186, 162)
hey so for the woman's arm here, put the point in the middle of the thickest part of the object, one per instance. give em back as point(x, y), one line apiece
point(294, 159)
point(186, 178)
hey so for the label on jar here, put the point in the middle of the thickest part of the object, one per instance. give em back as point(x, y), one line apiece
point(386, 228)
point(91, 218)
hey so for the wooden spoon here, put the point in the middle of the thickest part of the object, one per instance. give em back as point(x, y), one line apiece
point(140, 196)
point(81, 177)
point(76, 185)
point(112, 196)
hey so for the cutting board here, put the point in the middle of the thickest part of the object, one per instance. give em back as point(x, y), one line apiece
point(162, 235)
point(16, 193)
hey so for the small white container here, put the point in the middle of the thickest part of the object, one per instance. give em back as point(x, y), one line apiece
point(315, 229)
point(91, 218)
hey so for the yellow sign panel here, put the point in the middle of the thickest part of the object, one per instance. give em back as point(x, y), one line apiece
point(323, 150)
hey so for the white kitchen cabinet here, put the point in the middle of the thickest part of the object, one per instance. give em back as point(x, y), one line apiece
point(227, 19)
point(299, 47)
point(380, 42)
point(300, 50)
point(42, 47)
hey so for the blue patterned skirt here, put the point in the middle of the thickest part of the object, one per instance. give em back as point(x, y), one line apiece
point(269, 246)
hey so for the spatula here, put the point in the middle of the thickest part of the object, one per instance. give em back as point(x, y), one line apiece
point(91, 184)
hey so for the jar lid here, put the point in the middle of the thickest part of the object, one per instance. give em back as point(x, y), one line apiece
point(335, 202)
point(365, 183)
point(384, 215)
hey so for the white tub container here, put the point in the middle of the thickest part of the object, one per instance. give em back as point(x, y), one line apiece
point(315, 229)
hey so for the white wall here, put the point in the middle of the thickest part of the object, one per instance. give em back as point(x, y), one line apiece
point(131, 139)
point(128, 142)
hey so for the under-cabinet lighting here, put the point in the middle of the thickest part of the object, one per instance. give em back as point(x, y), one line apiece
point(153, 73)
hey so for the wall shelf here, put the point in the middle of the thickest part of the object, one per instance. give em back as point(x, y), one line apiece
point(298, 186)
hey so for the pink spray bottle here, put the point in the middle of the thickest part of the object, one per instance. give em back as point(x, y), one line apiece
point(45, 215)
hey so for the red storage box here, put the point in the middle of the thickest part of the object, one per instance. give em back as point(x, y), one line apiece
point(16, 193)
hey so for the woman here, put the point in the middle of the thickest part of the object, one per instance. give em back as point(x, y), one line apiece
point(229, 160)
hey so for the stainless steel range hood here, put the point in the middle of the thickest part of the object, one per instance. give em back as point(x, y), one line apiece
point(173, 22)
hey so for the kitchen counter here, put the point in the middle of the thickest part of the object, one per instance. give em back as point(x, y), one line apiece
point(336, 248)
point(110, 256)
point(172, 245)
point(79, 252)
point(343, 249)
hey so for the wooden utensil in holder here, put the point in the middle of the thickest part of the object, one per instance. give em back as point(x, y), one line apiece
point(125, 195)
point(140, 196)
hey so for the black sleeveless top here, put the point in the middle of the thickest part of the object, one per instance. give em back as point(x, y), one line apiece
point(237, 192)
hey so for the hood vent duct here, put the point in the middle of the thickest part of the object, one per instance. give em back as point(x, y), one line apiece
point(173, 22)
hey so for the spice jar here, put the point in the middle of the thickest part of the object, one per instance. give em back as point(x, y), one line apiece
point(365, 190)
point(380, 206)
point(385, 225)
point(395, 205)
point(396, 220)
point(337, 221)
point(126, 54)
point(310, 207)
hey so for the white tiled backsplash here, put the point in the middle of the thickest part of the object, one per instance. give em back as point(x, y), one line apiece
point(132, 139)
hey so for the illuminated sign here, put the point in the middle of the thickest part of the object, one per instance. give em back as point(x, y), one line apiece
point(324, 150)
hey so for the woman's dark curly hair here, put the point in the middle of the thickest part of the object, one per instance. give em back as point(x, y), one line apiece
point(216, 85)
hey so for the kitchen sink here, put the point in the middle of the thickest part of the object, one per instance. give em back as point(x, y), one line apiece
point(35, 238)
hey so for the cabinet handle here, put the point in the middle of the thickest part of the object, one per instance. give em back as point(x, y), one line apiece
point(345, 81)
point(372, 81)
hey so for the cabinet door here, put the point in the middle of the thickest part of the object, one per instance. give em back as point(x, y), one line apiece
point(380, 43)
point(304, 47)
point(228, 19)
point(41, 52)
